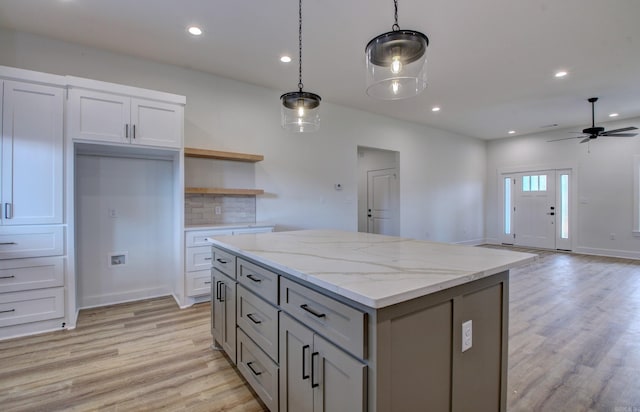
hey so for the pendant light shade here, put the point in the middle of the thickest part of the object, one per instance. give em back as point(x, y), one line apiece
point(396, 63)
point(300, 110)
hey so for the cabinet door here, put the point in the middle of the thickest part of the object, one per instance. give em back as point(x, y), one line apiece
point(32, 154)
point(224, 312)
point(338, 379)
point(156, 123)
point(99, 116)
point(296, 341)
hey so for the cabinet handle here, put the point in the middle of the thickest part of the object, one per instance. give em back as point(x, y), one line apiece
point(218, 290)
point(313, 312)
point(7, 311)
point(8, 243)
point(207, 283)
point(134, 131)
point(126, 130)
point(8, 210)
point(207, 258)
point(252, 317)
point(304, 361)
point(253, 278)
point(313, 370)
point(224, 262)
point(7, 277)
point(223, 292)
point(253, 370)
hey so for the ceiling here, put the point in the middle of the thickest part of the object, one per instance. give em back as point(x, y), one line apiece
point(491, 62)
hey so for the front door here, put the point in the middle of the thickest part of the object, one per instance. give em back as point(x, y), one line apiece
point(535, 209)
point(380, 201)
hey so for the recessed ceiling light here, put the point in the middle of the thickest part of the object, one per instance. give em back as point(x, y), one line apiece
point(613, 115)
point(561, 73)
point(285, 59)
point(512, 132)
point(435, 109)
point(194, 30)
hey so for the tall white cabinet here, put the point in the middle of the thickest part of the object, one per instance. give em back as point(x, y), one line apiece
point(32, 229)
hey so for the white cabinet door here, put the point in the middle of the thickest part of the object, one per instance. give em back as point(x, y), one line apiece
point(32, 154)
point(99, 116)
point(156, 123)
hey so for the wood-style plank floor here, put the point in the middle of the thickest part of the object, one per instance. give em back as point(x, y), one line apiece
point(574, 345)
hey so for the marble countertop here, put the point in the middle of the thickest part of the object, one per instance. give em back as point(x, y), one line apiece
point(228, 226)
point(374, 270)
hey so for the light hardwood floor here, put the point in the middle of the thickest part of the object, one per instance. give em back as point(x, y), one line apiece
point(574, 345)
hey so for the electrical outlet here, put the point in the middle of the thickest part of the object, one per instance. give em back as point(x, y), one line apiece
point(612, 236)
point(113, 213)
point(218, 210)
point(467, 335)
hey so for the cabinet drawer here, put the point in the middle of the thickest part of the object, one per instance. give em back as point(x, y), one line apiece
point(341, 324)
point(225, 262)
point(259, 280)
point(260, 371)
point(198, 258)
point(33, 241)
point(25, 274)
point(31, 306)
point(198, 237)
point(199, 283)
point(259, 320)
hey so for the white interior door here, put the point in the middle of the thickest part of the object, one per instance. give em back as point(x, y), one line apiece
point(535, 209)
point(381, 189)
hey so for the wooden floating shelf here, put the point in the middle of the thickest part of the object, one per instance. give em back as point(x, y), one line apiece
point(216, 154)
point(222, 191)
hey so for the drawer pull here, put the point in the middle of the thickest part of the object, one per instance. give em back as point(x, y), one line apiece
point(207, 258)
point(304, 362)
point(254, 279)
point(253, 370)
point(313, 312)
point(8, 243)
point(8, 210)
point(7, 311)
point(207, 283)
point(224, 262)
point(313, 384)
point(252, 318)
point(7, 277)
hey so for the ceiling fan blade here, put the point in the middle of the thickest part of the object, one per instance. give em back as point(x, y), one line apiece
point(620, 134)
point(624, 129)
point(585, 140)
point(565, 138)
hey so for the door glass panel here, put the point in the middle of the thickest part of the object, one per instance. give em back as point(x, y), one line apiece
point(507, 205)
point(564, 206)
point(525, 183)
point(543, 183)
point(534, 183)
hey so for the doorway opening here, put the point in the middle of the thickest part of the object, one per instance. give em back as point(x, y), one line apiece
point(537, 209)
point(378, 191)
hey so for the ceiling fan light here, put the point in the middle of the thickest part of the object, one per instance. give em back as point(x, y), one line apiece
point(396, 65)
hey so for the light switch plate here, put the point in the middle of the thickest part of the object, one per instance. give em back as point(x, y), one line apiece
point(467, 335)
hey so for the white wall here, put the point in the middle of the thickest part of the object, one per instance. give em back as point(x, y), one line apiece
point(603, 171)
point(443, 174)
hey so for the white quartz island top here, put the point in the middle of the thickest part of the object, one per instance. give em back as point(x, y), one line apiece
point(374, 270)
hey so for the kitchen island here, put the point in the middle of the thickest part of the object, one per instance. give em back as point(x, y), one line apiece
point(322, 320)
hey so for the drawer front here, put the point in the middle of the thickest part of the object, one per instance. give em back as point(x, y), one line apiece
point(198, 258)
point(341, 324)
point(198, 237)
point(260, 281)
point(260, 371)
point(31, 306)
point(259, 320)
point(266, 229)
point(199, 283)
point(225, 262)
point(26, 274)
point(26, 242)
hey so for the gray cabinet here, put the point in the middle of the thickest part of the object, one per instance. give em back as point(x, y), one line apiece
point(223, 307)
point(316, 375)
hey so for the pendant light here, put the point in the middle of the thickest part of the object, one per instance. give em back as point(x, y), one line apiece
point(300, 110)
point(396, 63)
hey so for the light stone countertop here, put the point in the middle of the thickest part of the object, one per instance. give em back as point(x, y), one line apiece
point(374, 270)
point(221, 226)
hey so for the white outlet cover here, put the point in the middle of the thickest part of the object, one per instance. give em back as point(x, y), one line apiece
point(467, 335)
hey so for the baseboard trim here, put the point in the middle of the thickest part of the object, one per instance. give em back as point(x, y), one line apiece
point(627, 254)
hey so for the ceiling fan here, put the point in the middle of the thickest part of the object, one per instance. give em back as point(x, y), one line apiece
point(594, 132)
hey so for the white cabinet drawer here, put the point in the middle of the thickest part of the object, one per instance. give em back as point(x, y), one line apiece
point(25, 274)
point(225, 262)
point(198, 237)
point(259, 320)
point(260, 371)
point(31, 241)
point(259, 280)
point(31, 306)
point(199, 283)
point(198, 258)
point(341, 324)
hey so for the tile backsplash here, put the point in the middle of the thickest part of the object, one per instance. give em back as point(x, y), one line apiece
point(200, 209)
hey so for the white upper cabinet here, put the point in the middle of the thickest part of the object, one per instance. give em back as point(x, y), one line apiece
point(32, 154)
point(120, 118)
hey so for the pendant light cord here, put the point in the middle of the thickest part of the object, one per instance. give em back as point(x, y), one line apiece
point(300, 85)
point(395, 26)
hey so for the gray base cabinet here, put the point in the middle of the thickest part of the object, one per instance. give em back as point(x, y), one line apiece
point(223, 306)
